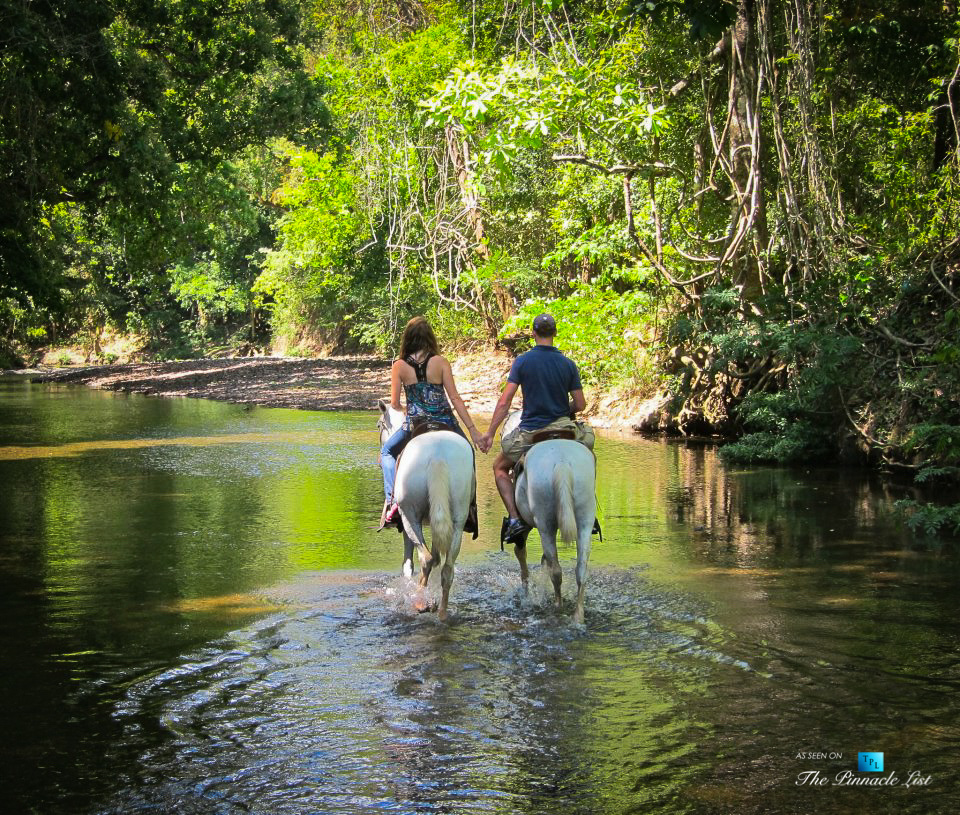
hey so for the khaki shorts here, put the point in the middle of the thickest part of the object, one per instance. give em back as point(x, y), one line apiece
point(516, 443)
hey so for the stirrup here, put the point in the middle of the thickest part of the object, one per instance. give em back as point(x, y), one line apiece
point(472, 524)
point(395, 521)
point(515, 533)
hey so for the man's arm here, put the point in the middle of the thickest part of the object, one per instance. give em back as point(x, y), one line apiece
point(578, 400)
point(500, 412)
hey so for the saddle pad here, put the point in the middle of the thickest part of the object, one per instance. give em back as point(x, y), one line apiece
point(427, 426)
point(550, 435)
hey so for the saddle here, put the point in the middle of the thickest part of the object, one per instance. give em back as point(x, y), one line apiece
point(421, 424)
point(536, 438)
point(550, 435)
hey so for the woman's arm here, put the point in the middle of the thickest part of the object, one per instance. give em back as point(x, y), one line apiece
point(451, 388)
point(395, 385)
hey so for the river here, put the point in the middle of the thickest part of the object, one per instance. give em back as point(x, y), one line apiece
point(200, 618)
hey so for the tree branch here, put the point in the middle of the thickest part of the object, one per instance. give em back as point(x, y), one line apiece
point(718, 51)
point(654, 168)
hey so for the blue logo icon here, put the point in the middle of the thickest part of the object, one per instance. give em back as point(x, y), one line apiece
point(870, 762)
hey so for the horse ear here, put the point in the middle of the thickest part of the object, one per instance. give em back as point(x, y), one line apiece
point(382, 404)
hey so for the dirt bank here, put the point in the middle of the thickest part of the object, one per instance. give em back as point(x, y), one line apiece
point(335, 383)
point(346, 383)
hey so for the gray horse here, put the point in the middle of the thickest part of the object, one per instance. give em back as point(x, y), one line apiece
point(435, 484)
point(556, 492)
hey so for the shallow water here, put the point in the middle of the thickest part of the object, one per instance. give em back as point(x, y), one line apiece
point(199, 618)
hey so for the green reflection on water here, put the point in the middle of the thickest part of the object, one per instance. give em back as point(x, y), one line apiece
point(135, 529)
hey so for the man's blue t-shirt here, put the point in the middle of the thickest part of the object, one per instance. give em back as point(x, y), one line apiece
point(546, 378)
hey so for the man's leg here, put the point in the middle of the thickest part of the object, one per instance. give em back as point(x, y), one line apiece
point(514, 529)
point(513, 445)
point(501, 474)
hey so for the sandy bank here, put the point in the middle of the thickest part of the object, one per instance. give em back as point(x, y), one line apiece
point(334, 383)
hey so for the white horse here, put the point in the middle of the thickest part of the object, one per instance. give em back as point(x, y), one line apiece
point(556, 492)
point(435, 484)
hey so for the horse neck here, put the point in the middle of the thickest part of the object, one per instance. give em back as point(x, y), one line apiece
point(387, 432)
point(388, 427)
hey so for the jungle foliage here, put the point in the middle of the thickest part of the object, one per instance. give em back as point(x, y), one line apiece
point(751, 205)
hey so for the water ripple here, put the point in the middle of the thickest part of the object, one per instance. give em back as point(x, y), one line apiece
point(358, 704)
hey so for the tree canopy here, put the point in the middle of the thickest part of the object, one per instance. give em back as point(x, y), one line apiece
point(103, 105)
point(737, 202)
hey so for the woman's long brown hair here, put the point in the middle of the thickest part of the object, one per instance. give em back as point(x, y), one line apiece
point(418, 336)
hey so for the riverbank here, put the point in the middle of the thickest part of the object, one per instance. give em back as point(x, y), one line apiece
point(332, 383)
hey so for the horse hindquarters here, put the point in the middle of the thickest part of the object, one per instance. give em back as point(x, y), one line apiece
point(560, 495)
point(434, 485)
point(556, 490)
point(438, 488)
point(563, 490)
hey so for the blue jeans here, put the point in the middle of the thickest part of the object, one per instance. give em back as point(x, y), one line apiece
point(391, 450)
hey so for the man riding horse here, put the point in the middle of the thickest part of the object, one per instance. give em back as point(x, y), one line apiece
point(552, 393)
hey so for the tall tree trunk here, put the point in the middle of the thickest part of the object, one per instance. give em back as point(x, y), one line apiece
point(743, 155)
point(459, 153)
point(947, 125)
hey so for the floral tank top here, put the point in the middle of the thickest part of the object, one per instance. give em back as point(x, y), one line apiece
point(425, 399)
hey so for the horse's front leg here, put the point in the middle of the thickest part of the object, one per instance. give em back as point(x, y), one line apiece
point(583, 556)
point(413, 529)
point(520, 550)
point(407, 555)
point(427, 562)
point(446, 581)
point(427, 567)
point(548, 537)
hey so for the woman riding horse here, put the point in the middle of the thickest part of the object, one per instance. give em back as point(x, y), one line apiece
point(427, 381)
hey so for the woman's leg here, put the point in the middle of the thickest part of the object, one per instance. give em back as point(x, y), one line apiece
point(388, 460)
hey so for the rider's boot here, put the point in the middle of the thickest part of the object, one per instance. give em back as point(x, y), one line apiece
point(389, 515)
point(514, 530)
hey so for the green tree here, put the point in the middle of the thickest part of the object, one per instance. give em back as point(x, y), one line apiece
point(104, 104)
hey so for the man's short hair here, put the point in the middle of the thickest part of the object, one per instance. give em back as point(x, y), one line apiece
point(544, 325)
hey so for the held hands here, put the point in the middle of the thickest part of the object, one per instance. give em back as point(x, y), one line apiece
point(485, 443)
point(479, 439)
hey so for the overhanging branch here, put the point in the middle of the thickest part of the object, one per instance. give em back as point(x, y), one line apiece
point(718, 51)
point(654, 168)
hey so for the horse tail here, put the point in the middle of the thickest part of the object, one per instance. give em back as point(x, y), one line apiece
point(563, 490)
point(438, 488)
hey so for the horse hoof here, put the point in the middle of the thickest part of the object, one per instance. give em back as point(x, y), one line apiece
point(422, 606)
